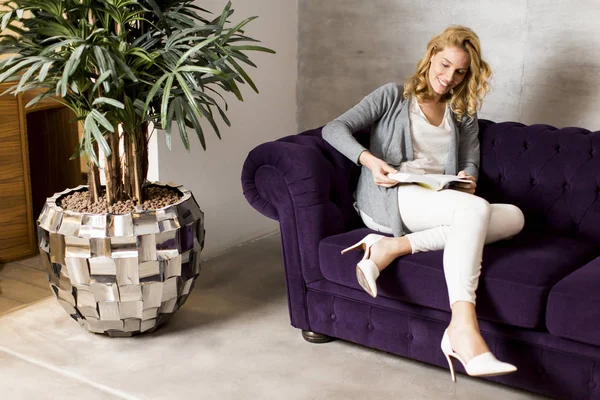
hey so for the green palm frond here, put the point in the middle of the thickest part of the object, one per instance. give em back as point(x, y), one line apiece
point(128, 62)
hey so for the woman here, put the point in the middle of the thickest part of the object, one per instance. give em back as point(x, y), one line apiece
point(430, 126)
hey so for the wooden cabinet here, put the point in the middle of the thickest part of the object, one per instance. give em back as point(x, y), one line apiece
point(24, 185)
point(17, 237)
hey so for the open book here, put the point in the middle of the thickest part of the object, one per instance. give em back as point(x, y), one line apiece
point(429, 181)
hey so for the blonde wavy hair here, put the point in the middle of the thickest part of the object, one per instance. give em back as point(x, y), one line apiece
point(467, 97)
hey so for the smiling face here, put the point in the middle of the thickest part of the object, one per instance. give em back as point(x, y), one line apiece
point(448, 69)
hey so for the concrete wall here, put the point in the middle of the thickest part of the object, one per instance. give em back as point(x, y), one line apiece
point(543, 54)
point(214, 175)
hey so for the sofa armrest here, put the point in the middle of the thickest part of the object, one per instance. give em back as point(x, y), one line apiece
point(292, 180)
point(299, 171)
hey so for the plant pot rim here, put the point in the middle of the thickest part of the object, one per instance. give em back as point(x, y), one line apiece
point(52, 201)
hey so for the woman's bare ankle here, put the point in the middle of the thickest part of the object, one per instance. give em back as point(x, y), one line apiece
point(467, 341)
point(384, 252)
point(469, 329)
point(464, 316)
point(403, 246)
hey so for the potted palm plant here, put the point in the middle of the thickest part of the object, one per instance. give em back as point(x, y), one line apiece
point(121, 258)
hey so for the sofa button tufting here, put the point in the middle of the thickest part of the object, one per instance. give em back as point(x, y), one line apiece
point(502, 179)
point(409, 336)
point(592, 384)
point(558, 149)
point(370, 326)
point(592, 153)
point(567, 186)
point(333, 316)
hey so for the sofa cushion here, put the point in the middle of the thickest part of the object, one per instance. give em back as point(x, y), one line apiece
point(517, 274)
point(573, 310)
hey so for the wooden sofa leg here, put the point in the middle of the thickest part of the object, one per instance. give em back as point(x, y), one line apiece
point(313, 337)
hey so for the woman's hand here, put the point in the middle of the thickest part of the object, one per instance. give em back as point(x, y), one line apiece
point(379, 169)
point(466, 187)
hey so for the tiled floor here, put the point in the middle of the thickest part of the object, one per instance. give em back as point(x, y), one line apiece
point(21, 283)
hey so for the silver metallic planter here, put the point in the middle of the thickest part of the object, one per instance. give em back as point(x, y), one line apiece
point(122, 274)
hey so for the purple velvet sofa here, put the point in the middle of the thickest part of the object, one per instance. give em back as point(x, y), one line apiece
point(539, 293)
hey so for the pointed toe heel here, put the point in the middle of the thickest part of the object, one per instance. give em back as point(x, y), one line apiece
point(485, 364)
point(366, 274)
point(366, 270)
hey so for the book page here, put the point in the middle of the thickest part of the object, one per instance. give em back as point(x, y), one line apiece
point(430, 181)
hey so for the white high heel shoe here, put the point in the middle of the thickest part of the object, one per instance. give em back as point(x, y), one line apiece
point(366, 270)
point(485, 364)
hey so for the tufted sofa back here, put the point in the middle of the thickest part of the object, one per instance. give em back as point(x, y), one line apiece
point(552, 174)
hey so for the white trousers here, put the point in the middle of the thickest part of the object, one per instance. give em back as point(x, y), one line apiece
point(460, 224)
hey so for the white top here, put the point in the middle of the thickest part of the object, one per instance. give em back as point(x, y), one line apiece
point(430, 143)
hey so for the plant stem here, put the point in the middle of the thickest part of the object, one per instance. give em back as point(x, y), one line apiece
point(94, 178)
point(126, 166)
point(143, 153)
point(135, 161)
point(112, 170)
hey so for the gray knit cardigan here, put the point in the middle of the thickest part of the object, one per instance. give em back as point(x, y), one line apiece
point(386, 110)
